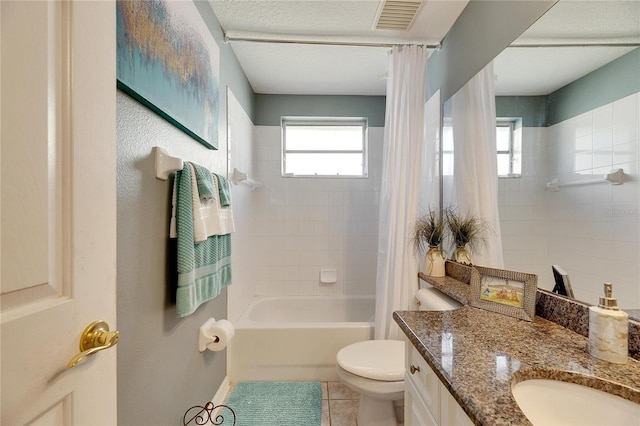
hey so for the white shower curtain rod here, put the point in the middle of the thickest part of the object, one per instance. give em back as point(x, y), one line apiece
point(273, 40)
point(228, 38)
point(576, 44)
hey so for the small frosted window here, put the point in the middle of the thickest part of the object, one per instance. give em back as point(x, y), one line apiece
point(503, 138)
point(503, 164)
point(324, 147)
point(508, 147)
point(447, 149)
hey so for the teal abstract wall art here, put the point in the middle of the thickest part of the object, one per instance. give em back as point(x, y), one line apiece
point(168, 60)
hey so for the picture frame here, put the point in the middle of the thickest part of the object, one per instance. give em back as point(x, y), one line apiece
point(505, 292)
point(168, 60)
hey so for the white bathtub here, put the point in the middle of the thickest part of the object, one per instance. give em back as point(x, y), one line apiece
point(297, 338)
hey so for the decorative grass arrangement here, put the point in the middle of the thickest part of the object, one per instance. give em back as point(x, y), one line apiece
point(467, 233)
point(429, 231)
point(465, 230)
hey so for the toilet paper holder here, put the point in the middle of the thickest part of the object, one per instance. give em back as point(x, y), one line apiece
point(215, 335)
point(203, 335)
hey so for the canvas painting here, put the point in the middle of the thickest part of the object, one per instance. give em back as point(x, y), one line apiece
point(168, 60)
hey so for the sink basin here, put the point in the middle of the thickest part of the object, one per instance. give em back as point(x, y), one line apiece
point(554, 402)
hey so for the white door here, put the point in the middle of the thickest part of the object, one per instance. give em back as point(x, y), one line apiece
point(58, 211)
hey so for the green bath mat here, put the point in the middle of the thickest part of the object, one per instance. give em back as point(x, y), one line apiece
point(276, 403)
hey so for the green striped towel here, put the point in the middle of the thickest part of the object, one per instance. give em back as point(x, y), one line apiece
point(204, 268)
point(224, 192)
point(205, 182)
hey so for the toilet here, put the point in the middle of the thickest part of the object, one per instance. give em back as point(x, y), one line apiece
point(374, 369)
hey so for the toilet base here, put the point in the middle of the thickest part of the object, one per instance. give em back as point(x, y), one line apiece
point(376, 412)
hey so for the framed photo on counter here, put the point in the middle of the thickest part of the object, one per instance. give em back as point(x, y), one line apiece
point(505, 292)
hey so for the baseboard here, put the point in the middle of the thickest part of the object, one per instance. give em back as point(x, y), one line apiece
point(223, 391)
point(217, 416)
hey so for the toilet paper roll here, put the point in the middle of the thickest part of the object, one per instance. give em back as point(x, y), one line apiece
point(220, 333)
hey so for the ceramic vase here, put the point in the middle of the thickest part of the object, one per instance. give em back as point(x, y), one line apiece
point(462, 255)
point(434, 262)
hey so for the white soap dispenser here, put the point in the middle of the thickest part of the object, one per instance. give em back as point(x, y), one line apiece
point(608, 329)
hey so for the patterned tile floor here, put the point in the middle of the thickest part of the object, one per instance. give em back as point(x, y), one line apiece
point(340, 405)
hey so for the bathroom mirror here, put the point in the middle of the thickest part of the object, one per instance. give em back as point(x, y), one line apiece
point(589, 227)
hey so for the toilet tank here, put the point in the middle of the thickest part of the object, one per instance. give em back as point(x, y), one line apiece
point(432, 299)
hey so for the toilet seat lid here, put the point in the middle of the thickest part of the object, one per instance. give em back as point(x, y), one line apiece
point(374, 359)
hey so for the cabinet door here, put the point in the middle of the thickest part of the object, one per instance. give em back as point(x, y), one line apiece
point(416, 412)
point(451, 412)
point(425, 380)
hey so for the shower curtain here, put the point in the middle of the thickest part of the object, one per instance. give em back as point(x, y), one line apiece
point(396, 279)
point(473, 113)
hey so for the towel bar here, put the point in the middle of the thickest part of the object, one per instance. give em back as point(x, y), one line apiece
point(616, 177)
point(238, 177)
point(166, 164)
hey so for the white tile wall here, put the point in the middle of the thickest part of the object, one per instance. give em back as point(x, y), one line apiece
point(592, 231)
point(240, 131)
point(301, 225)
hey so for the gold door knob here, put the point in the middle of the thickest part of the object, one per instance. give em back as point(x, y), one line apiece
point(95, 337)
point(413, 369)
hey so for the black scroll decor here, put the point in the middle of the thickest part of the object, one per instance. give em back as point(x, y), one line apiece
point(204, 415)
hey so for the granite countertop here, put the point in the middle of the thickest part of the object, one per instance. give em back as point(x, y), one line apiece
point(475, 353)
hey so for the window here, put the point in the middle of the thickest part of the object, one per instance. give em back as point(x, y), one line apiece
point(324, 147)
point(447, 147)
point(508, 148)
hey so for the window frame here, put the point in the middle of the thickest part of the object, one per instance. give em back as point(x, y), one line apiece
point(325, 121)
point(511, 124)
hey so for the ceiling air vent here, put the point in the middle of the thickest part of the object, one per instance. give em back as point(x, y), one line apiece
point(397, 15)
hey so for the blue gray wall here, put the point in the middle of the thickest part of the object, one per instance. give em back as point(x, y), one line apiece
point(481, 32)
point(269, 108)
point(160, 371)
point(231, 73)
point(531, 109)
point(616, 80)
point(613, 81)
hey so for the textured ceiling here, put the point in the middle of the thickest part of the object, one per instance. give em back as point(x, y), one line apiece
point(314, 69)
point(348, 70)
point(540, 71)
point(344, 19)
point(587, 20)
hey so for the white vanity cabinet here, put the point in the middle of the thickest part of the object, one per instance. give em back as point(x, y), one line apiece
point(427, 401)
